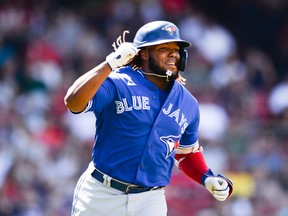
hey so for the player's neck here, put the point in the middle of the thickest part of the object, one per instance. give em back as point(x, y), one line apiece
point(160, 82)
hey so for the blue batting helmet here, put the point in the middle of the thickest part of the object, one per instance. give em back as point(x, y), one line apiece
point(158, 32)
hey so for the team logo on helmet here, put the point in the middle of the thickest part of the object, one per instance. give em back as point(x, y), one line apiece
point(172, 143)
point(169, 28)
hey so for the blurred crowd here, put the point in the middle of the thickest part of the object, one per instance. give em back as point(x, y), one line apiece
point(237, 69)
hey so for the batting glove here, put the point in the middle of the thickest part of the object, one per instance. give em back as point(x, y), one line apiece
point(122, 55)
point(218, 187)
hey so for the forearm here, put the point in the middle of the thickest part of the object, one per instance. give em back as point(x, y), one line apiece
point(193, 164)
point(85, 87)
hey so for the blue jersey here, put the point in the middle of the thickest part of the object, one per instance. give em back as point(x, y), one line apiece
point(136, 135)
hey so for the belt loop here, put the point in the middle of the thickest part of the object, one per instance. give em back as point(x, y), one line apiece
point(127, 189)
point(107, 180)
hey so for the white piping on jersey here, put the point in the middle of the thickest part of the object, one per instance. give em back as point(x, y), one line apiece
point(194, 146)
point(88, 106)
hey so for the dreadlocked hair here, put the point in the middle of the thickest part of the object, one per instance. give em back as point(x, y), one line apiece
point(136, 62)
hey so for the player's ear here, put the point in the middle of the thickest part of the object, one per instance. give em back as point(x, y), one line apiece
point(144, 54)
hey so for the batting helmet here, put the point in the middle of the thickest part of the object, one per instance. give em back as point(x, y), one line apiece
point(158, 32)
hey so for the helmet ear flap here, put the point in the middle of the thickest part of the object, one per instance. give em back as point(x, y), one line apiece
point(183, 59)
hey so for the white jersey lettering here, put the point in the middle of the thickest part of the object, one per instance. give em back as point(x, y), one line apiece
point(139, 106)
point(167, 111)
point(119, 107)
point(183, 120)
point(176, 115)
point(138, 103)
point(145, 101)
point(127, 108)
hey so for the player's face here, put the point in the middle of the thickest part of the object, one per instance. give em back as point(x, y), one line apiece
point(164, 57)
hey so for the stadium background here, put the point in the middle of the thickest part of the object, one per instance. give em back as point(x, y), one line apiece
point(237, 68)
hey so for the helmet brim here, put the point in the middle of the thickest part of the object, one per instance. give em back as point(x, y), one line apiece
point(182, 43)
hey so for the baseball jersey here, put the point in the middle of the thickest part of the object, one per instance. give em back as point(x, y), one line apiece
point(137, 134)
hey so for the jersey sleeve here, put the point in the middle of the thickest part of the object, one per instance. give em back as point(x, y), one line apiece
point(190, 136)
point(103, 97)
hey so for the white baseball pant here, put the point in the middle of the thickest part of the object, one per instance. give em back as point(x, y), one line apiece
point(92, 198)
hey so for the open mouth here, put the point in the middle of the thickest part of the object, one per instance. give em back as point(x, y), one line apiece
point(171, 65)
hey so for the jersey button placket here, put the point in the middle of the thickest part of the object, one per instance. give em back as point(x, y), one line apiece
point(152, 88)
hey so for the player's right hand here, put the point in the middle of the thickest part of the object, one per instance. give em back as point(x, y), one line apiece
point(218, 187)
point(122, 55)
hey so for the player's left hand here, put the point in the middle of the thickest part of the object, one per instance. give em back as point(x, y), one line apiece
point(218, 187)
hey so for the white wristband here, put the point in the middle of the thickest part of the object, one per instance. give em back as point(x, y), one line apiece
point(110, 59)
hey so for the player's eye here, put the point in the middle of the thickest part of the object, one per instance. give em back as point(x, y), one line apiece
point(163, 49)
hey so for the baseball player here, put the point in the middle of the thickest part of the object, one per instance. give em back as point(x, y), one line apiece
point(145, 122)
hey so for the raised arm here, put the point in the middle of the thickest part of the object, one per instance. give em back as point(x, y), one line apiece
point(86, 86)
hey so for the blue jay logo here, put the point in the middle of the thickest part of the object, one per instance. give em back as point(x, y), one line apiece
point(169, 28)
point(172, 143)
